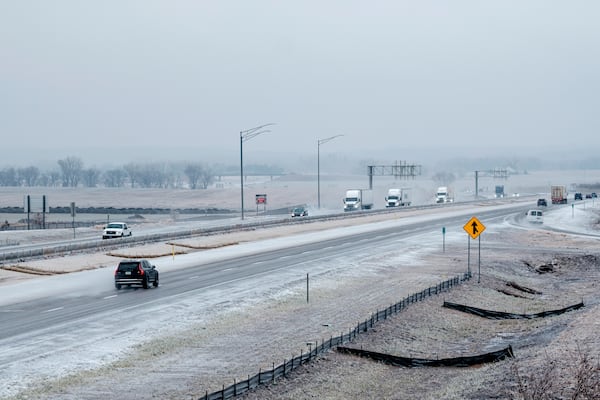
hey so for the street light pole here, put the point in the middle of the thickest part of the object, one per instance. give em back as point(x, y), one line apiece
point(244, 137)
point(319, 143)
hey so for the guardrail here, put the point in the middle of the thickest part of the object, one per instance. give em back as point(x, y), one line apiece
point(53, 249)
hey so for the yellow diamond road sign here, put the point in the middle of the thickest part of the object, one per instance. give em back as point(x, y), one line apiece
point(474, 227)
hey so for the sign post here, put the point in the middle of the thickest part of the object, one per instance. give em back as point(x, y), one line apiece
point(37, 205)
point(474, 228)
point(73, 211)
point(443, 239)
point(261, 199)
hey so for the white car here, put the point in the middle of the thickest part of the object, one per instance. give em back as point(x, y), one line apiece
point(535, 216)
point(116, 229)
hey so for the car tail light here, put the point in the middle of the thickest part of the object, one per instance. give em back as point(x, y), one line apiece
point(116, 271)
point(140, 269)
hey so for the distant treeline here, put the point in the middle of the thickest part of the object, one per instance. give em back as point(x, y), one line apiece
point(112, 210)
point(72, 173)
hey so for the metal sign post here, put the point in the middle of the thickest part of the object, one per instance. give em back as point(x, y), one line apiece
point(469, 256)
point(479, 259)
point(73, 216)
point(36, 205)
point(261, 199)
point(474, 228)
point(307, 298)
point(443, 239)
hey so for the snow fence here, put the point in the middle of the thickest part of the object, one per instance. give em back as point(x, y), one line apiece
point(269, 376)
point(490, 314)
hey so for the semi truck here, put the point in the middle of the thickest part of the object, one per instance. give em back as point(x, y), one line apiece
point(558, 193)
point(358, 199)
point(443, 195)
point(499, 191)
point(397, 198)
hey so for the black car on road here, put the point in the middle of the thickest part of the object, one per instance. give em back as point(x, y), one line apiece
point(136, 272)
point(542, 203)
point(299, 212)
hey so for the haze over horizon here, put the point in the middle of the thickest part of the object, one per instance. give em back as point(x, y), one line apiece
point(138, 81)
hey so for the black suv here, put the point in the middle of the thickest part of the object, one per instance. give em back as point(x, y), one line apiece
point(299, 212)
point(542, 203)
point(136, 272)
point(578, 196)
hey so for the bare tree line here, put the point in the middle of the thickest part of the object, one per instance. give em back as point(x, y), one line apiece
point(71, 172)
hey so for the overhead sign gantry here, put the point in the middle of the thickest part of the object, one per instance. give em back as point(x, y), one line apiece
point(398, 170)
point(491, 173)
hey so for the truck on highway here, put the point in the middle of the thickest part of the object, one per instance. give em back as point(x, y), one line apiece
point(358, 199)
point(397, 198)
point(443, 195)
point(558, 194)
point(499, 191)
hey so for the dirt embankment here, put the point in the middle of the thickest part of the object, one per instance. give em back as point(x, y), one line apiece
point(555, 357)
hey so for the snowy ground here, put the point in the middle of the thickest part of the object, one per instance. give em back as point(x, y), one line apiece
point(194, 335)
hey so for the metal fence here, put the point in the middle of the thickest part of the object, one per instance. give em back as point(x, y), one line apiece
point(270, 375)
point(23, 226)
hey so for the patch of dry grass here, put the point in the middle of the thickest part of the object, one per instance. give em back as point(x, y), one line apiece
point(135, 255)
point(203, 247)
point(37, 271)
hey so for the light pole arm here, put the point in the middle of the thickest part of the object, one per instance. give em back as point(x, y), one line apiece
point(253, 132)
point(323, 141)
point(244, 137)
point(319, 143)
point(248, 136)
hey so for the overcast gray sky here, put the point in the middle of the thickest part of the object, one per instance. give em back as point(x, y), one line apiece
point(389, 75)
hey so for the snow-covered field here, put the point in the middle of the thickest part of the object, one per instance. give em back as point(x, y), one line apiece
point(287, 191)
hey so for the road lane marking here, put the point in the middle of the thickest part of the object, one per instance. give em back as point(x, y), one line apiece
point(110, 297)
point(53, 309)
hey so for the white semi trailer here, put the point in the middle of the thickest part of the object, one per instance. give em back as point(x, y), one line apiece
point(358, 199)
point(397, 198)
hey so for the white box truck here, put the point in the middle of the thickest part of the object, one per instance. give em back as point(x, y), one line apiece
point(397, 198)
point(358, 199)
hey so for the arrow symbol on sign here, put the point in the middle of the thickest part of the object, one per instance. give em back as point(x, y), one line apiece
point(474, 225)
point(474, 228)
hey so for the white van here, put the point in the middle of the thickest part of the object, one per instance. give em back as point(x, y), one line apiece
point(535, 216)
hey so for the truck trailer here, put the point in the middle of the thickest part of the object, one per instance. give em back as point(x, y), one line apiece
point(397, 198)
point(358, 199)
point(558, 193)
